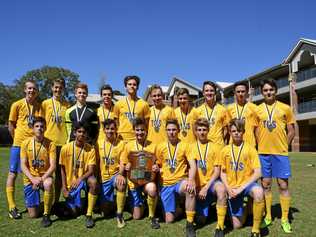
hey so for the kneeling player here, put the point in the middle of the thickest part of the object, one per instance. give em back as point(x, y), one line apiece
point(110, 149)
point(240, 169)
point(135, 191)
point(77, 160)
point(176, 178)
point(209, 186)
point(38, 163)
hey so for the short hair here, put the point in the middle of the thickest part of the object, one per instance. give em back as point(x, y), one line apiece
point(108, 122)
point(174, 122)
point(78, 125)
point(202, 122)
point(269, 81)
point(136, 78)
point(139, 121)
point(155, 87)
point(38, 120)
point(59, 80)
point(241, 83)
point(238, 123)
point(210, 83)
point(182, 91)
point(81, 86)
point(106, 87)
point(30, 81)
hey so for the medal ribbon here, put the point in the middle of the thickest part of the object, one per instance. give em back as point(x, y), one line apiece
point(236, 162)
point(107, 156)
point(35, 153)
point(56, 110)
point(203, 159)
point(129, 107)
point(77, 113)
point(29, 109)
point(209, 118)
point(136, 146)
point(183, 120)
point(239, 115)
point(103, 112)
point(74, 157)
point(156, 117)
point(172, 157)
point(270, 115)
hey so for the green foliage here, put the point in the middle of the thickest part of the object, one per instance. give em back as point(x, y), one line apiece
point(6, 98)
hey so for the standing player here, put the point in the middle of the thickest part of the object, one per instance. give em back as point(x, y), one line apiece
point(209, 186)
point(135, 191)
point(112, 171)
point(127, 109)
point(275, 132)
point(240, 170)
point(77, 161)
point(242, 109)
point(185, 116)
point(21, 118)
point(54, 110)
point(80, 112)
point(159, 114)
point(177, 176)
point(215, 113)
point(38, 163)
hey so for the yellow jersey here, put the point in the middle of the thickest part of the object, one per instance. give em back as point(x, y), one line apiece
point(239, 162)
point(207, 156)
point(272, 136)
point(173, 161)
point(22, 113)
point(54, 114)
point(157, 123)
point(248, 113)
point(109, 158)
point(38, 156)
point(186, 122)
point(103, 114)
point(125, 111)
point(76, 160)
point(135, 146)
point(218, 119)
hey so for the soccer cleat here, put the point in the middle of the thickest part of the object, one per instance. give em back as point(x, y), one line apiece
point(46, 221)
point(219, 233)
point(265, 223)
point(154, 223)
point(286, 226)
point(255, 234)
point(120, 220)
point(15, 214)
point(190, 231)
point(89, 222)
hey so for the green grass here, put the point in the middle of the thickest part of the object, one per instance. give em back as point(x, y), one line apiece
point(302, 185)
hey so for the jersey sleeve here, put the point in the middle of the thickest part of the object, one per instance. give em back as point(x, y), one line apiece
point(172, 114)
point(190, 155)
point(222, 161)
point(225, 117)
point(92, 157)
point(255, 158)
point(289, 116)
point(116, 111)
point(52, 151)
point(23, 152)
point(124, 155)
point(216, 156)
point(62, 156)
point(68, 123)
point(146, 111)
point(13, 116)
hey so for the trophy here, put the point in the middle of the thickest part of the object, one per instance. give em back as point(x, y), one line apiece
point(141, 167)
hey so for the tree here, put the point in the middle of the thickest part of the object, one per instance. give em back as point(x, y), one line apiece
point(6, 98)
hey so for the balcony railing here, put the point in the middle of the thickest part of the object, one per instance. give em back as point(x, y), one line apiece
point(306, 74)
point(308, 106)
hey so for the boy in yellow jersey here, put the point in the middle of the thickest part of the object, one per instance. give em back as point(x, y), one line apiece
point(38, 163)
point(54, 110)
point(106, 110)
point(177, 176)
point(242, 109)
point(185, 116)
point(159, 114)
point(215, 113)
point(135, 191)
point(209, 186)
point(127, 109)
point(77, 161)
point(274, 133)
point(112, 171)
point(21, 118)
point(240, 170)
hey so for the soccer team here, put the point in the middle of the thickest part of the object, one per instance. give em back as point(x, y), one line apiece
point(204, 155)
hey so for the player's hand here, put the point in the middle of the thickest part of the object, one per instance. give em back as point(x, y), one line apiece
point(36, 182)
point(75, 183)
point(238, 191)
point(155, 168)
point(190, 188)
point(120, 180)
point(128, 166)
point(65, 192)
point(203, 193)
point(231, 192)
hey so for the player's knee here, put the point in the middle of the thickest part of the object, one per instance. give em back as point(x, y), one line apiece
point(221, 193)
point(48, 183)
point(12, 176)
point(266, 185)
point(121, 187)
point(283, 185)
point(137, 215)
point(33, 214)
point(257, 194)
point(236, 224)
point(169, 217)
point(151, 189)
point(92, 182)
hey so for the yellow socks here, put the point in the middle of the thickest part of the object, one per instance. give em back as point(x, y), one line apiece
point(10, 197)
point(190, 216)
point(91, 202)
point(221, 213)
point(120, 201)
point(268, 202)
point(285, 207)
point(151, 202)
point(48, 200)
point(258, 208)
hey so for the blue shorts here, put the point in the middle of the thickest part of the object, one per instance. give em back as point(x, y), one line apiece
point(15, 166)
point(202, 206)
point(31, 196)
point(107, 190)
point(74, 198)
point(136, 197)
point(275, 166)
point(236, 205)
point(168, 196)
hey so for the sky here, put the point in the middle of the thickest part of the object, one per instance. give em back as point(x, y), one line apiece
point(156, 40)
